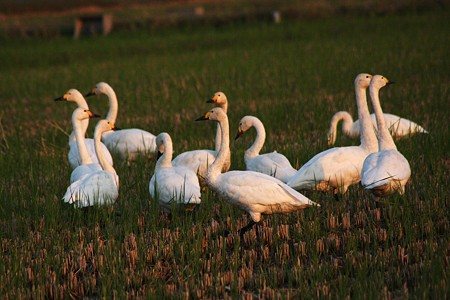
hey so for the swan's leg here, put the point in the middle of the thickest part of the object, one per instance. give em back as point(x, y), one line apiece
point(246, 228)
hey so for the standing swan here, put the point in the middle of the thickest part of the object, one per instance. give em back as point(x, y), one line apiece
point(253, 192)
point(127, 142)
point(274, 164)
point(74, 95)
point(200, 160)
point(338, 168)
point(398, 127)
point(387, 170)
point(99, 187)
point(170, 184)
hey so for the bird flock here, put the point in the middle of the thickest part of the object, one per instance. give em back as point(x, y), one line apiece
point(270, 184)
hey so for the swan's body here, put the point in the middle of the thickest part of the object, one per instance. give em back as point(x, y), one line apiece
point(97, 187)
point(74, 95)
point(338, 168)
point(170, 184)
point(386, 171)
point(273, 164)
point(253, 192)
point(128, 143)
point(200, 160)
point(398, 127)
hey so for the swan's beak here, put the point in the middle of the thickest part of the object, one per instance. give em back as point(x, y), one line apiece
point(91, 93)
point(159, 155)
point(238, 134)
point(390, 82)
point(115, 128)
point(62, 98)
point(210, 101)
point(92, 115)
point(204, 118)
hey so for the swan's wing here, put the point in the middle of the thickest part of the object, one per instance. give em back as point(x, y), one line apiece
point(196, 160)
point(84, 170)
point(74, 155)
point(246, 188)
point(381, 167)
point(130, 141)
point(274, 164)
point(98, 188)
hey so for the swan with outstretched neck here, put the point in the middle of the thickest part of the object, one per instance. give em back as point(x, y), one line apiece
point(338, 168)
point(74, 95)
point(173, 185)
point(398, 127)
point(386, 171)
point(99, 187)
point(273, 164)
point(254, 192)
point(200, 160)
point(128, 143)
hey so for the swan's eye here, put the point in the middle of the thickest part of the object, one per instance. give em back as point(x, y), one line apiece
point(367, 76)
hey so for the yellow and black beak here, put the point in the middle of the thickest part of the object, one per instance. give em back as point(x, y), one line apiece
point(159, 155)
point(238, 134)
point(114, 127)
point(92, 115)
point(204, 118)
point(91, 93)
point(62, 98)
point(211, 101)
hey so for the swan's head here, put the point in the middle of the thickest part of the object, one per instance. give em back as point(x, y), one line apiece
point(105, 126)
point(363, 80)
point(214, 114)
point(100, 88)
point(245, 124)
point(73, 95)
point(82, 114)
point(161, 140)
point(379, 81)
point(219, 98)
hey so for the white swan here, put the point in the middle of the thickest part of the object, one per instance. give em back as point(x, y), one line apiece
point(128, 143)
point(99, 187)
point(387, 170)
point(398, 127)
point(173, 185)
point(253, 192)
point(274, 164)
point(74, 95)
point(86, 166)
point(200, 160)
point(338, 168)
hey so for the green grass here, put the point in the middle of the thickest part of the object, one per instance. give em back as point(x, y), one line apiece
point(293, 76)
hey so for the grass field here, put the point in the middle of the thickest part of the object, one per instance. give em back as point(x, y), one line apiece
point(293, 76)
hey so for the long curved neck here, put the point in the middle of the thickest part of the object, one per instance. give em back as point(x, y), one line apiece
point(259, 140)
point(385, 141)
point(346, 125)
point(367, 132)
point(216, 167)
point(79, 132)
point(84, 127)
point(165, 161)
point(113, 105)
point(218, 142)
point(99, 152)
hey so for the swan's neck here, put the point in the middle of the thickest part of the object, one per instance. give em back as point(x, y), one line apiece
point(367, 132)
point(78, 132)
point(215, 168)
point(113, 105)
point(385, 141)
point(259, 140)
point(224, 106)
point(165, 161)
point(100, 155)
point(84, 126)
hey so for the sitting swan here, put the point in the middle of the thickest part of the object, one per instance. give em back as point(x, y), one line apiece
point(253, 192)
point(274, 164)
point(170, 184)
point(398, 126)
point(338, 168)
point(74, 95)
point(200, 160)
point(100, 187)
point(128, 143)
point(86, 166)
point(387, 170)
